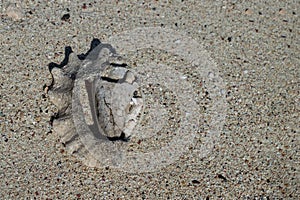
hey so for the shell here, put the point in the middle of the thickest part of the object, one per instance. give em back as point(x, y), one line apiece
point(99, 103)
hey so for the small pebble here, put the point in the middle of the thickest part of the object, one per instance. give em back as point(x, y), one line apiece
point(14, 11)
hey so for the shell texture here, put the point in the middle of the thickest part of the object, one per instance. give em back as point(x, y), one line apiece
point(99, 102)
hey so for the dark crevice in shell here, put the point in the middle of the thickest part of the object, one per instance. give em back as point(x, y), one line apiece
point(110, 80)
point(68, 51)
point(95, 42)
point(122, 137)
point(118, 65)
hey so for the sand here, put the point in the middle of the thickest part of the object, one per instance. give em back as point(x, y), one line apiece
point(255, 46)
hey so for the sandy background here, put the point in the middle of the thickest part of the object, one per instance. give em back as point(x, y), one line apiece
point(256, 47)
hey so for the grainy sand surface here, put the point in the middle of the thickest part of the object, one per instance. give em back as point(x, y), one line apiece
point(255, 45)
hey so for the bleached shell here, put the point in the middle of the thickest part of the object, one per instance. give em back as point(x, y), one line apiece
point(93, 93)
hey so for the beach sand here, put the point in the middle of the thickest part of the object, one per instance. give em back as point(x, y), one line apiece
point(255, 46)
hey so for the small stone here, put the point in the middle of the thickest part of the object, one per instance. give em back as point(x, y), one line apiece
point(65, 17)
point(248, 11)
point(15, 11)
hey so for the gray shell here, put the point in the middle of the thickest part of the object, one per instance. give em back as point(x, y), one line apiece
point(99, 102)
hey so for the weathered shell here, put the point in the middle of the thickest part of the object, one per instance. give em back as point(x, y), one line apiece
point(99, 102)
